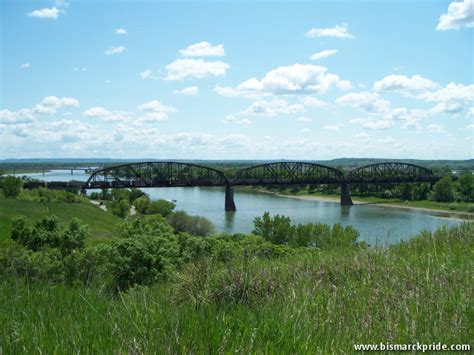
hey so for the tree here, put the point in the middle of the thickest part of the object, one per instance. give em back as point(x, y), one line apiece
point(142, 204)
point(11, 186)
point(162, 207)
point(136, 193)
point(195, 225)
point(444, 190)
point(276, 229)
point(120, 207)
point(466, 186)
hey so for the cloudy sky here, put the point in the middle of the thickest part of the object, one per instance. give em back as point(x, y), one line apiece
point(237, 79)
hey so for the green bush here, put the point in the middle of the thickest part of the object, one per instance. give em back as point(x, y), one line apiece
point(11, 186)
point(162, 207)
point(443, 190)
point(141, 204)
point(119, 207)
point(49, 232)
point(195, 225)
point(470, 208)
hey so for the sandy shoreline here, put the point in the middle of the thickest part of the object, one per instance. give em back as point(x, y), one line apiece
point(377, 204)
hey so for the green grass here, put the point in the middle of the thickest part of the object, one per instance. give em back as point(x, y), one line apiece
point(102, 224)
point(325, 302)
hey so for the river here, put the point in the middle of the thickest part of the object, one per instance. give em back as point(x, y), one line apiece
point(377, 225)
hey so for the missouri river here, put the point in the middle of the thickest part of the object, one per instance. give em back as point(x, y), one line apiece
point(376, 224)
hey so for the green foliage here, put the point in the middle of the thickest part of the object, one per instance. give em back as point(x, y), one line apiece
point(120, 207)
point(443, 190)
point(195, 225)
point(134, 194)
point(45, 195)
point(466, 186)
point(279, 230)
point(155, 225)
point(162, 207)
point(49, 232)
point(11, 186)
point(141, 204)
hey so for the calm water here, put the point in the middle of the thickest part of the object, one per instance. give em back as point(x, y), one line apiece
point(376, 224)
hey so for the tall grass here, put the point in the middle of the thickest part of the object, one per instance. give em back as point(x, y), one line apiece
point(320, 302)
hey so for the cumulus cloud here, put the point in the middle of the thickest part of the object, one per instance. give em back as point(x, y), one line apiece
point(403, 83)
point(460, 14)
point(310, 101)
point(452, 92)
point(272, 108)
point(238, 120)
point(45, 13)
point(339, 31)
point(106, 115)
point(121, 31)
point(435, 128)
point(188, 91)
point(25, 66)
point(145, 74)
point(16, 117)
point(203, 49)
point(50, 104)
point(335, 127)
point(290, 79)
point(115, 50)
point(368, 101)
point(195, 68)
point(154, 111)
point(323, 54)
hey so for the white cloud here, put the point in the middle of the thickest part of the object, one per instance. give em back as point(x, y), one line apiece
point(323, 54)
point(304, 119)
point(50, 104)
point(80, 69)
point(291, 79)
point(377, 124)
point(106, 115)
point(306, 130)
point(362, 135)
point(115, 50)
point(145, 74)
point(188, 91)
point(335, 127)
point(368, 101)
point(195, 68)
point(25, 65)
point(339, 31)
point(154, 111)
point(203, 49)
point(46, 13)
point(435, 128)
point(471, 126)
point(312, 102)
point(121, 31)
point(16, 117)
point(452, 92)
point(447, 107)
point(460, 14)
point(386, 140)
point(272, 108)
point(403, 83)
point(236, 119)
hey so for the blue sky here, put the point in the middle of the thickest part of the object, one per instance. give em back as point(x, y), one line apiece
point(237, 79)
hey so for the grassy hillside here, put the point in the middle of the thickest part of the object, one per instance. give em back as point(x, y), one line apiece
point(101, 223)
point(308, 303)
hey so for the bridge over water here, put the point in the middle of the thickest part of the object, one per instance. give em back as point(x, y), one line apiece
point(180, 174)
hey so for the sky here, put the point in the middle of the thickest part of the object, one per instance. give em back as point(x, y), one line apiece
point(310, 80)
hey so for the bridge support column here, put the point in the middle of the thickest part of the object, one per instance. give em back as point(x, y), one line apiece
point(229, 199)
point(346, 195)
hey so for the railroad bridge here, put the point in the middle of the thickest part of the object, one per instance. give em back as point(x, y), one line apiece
point(286, 173)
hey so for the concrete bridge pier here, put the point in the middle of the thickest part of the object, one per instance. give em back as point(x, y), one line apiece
point(229, 198)
point(346, 195)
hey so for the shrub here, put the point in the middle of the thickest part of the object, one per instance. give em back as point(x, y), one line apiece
point(119, 207)
point(162, 207)
point(453, 206)
point(141, 204)
point(470, 208)
point(195, 225)
point(276, 229)
point(48, 232)
point(11, 186)
point(146, 226)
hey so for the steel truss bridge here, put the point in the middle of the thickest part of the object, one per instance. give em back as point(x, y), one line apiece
point(179, 174)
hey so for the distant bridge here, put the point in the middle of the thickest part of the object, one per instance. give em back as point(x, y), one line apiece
point(179, 174)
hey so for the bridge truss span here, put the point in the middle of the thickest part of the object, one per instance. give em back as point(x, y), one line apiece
point(288, 173)
point(156, 174)
point(391, 172)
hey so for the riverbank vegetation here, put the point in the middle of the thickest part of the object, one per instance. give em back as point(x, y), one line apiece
point(150, 286)
point(446, 194)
